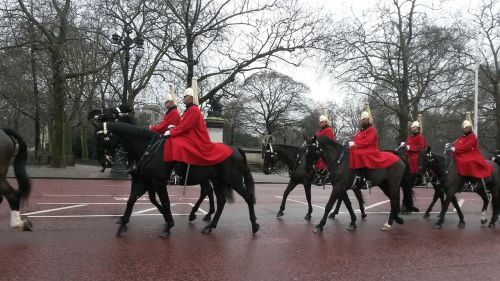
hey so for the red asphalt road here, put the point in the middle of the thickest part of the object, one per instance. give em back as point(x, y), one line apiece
point(74, 239)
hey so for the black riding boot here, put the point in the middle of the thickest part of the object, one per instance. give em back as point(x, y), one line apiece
point(180, 173)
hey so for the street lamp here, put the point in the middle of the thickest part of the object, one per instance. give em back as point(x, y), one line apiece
point(125, 43)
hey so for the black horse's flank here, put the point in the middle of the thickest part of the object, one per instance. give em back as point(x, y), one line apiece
point(224, 176)
point(8, 139)
point(337, 159)
point(452, 183)
point(293, 157)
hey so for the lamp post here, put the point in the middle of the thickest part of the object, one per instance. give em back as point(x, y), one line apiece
point(125, 43)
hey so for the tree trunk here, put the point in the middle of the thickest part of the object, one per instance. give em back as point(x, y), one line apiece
point(58, 135)
point(83, 141)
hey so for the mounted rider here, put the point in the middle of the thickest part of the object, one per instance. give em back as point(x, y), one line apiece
point(469, 161)
point(171, 118)
point(320, 166)
point(189, 142)
point(413, 144)
point(364, 153)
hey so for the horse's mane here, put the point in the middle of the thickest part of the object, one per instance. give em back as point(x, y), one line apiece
point(286, 146)
point(325, 140)
point(126, 128)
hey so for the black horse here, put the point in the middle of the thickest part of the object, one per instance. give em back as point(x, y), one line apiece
point(293, 157)
point(336, 156)
point(455, 183)
point(435, 165)
point(138, 187)
point(8, 139)
point(146, 149)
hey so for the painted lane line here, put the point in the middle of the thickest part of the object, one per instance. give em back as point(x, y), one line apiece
point(460, 203)
point(373, 205)
point(53, 210)
point(296, 201)
point(144, 211)
point(92, 195)
point(199, 209)
point(98, 216)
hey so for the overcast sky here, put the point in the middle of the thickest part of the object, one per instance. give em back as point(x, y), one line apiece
point(323, 87)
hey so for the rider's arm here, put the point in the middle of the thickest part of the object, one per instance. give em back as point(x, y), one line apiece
point(466, 145)
point(189, 120)
point(368, 140)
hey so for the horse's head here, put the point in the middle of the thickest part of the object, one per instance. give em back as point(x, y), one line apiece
point(424, 159)
point(119, 114)
point(312, 152)
point(270, 160)
point(495, 156)
point(107, 140)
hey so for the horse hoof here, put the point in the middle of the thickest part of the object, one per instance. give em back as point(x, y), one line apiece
point(363, 216)
point(27, 226)
point(426, 215)
point(484, 221)
point(206, 230)
point(207, 217)
point(399, 220)
point(461, 224)
point(352, 227)
point(436, 226)
point(165, 233)
point(280, 214)
point(491, 225)
point(332, 216)
point(318, 229)
point(255, 227)
point(122, 229)
point(192, 217)
point(307, 217)
point(119, 220)
point(386, 227)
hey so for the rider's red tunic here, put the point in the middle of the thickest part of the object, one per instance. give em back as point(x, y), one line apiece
point(326, 131)
point(189, 142)
point(416, 142)
point(172, 117)
point(365, 152)
point(468, 159)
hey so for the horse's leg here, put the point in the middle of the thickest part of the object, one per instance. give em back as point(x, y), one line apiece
point(347, 202)
point(336, 193)
point(361, 202)
point(291, 185)
point(14, 200)
point(221, 202)
point(495, 203)
point(461, 222)
point(210, 194)
point(167, 213)
point(436, 196)
point(336, 211)
point(251, 210)
point(137, 189)
point(450, 194)
point(482, 192)
point(203, 194)
point(392, 192)
point(307, 189)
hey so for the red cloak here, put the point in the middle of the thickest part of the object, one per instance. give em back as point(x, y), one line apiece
point(326, 131)
point(468, 159)
point(365, 152)
point(189, 142)
point(416, 142)
point(172, 117)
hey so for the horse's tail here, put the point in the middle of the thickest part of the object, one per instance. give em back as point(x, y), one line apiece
point(20, 165)
point(247, 176)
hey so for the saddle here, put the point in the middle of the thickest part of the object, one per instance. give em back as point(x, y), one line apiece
point(362, 179)
point(473, 184)
point(320, 177)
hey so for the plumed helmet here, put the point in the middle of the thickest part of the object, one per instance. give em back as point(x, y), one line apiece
point(415, 124)
point(171, 98)
point(466, 124)
point(364, 115)
point(323, 118)
point(189, 92)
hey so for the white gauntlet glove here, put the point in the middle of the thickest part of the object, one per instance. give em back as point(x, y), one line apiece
point(407, 147)
point(166, 134)
point(351, 144)
point(171, 127)
point(452, 149)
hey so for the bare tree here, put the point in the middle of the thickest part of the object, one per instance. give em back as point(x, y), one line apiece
point(275, 101)
point(226, 38)
point(401, 60)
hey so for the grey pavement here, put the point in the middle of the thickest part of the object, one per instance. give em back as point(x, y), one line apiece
point(80, 171)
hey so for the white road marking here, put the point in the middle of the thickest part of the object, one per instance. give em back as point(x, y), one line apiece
point(376, 204)
point(98, 216)
point(296, 201)
point(199, 209)
point(52, 210)
point(460, 203)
